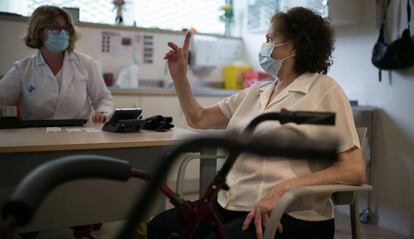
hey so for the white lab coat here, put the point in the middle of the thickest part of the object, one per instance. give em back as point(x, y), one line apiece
point(31, 80)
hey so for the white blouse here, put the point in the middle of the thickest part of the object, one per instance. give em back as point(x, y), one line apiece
point(252, 177)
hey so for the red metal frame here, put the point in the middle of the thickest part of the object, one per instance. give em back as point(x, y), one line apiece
point(194, 213)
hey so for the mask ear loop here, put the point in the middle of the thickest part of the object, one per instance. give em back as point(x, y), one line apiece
point(281, 44)
point(283, 59)
point(288, 57)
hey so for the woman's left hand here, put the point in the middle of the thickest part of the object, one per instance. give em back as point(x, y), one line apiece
point(99, 117)
point(261, 212)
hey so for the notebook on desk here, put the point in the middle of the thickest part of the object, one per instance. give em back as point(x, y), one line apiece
point(14, 123)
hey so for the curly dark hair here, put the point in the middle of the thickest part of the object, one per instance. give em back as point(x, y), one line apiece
point(312, 38)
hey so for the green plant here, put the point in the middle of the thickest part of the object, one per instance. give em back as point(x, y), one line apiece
point(227, 13)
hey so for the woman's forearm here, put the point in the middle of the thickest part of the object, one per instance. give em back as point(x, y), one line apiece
point(193, 111)
point(197, 116)
point(349, 170)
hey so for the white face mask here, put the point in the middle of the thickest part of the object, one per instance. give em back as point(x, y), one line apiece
point(57, 42)
point(267, 62)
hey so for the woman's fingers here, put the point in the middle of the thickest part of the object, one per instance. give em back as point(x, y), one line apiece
point(260, 217)
point(174, 53)
point(95, 119)
point(259, 224)
point(173, 46)
point(280, 227)
point(99, 118)
point(176, 49)
point(248, 220)
point(265, 217)
point(186, 44)
point(169, 54)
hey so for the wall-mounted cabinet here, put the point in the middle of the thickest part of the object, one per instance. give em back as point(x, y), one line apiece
point(343, 13)
point(339, 12)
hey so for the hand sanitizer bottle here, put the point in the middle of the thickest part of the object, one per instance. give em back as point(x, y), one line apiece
point(134, 72)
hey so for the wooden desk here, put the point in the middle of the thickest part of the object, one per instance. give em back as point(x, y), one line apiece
point(87, 201)
point(37, 140)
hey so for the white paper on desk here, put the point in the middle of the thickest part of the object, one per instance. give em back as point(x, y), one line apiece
point(53, 129)
point(92, 130)
point(71, 130)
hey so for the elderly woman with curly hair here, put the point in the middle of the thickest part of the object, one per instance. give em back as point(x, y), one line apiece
point(297, 52)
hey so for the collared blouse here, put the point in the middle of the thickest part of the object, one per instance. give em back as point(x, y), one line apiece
point(252, 177)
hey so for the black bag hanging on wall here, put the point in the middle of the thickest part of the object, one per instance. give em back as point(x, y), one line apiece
point(397, 55)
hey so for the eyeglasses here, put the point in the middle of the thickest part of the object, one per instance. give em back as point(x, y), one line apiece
point(58, 29)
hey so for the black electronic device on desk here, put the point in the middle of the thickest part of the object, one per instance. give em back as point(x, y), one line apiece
point(124, 120)
point(14, 122)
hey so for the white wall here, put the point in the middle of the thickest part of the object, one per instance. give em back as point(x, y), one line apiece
point(12, 48)
point(393, 172)
point(393, 169)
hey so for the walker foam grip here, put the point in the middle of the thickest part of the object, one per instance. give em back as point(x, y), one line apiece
point(298, 117)
point(37, 184)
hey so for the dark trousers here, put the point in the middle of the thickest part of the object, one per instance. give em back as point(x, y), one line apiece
point(169, 222)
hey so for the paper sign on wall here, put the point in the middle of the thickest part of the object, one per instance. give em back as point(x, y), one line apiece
point(111, 43)
point(120, 44)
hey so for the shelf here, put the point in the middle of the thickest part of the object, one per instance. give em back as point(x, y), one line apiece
point(115, 27)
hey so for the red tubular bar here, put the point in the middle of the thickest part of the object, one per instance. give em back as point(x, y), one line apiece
point(10, 225)
point(136, 173)
point(193, 213)
point(147, 176)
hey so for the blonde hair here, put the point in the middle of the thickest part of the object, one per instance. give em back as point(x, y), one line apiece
point(42, 18)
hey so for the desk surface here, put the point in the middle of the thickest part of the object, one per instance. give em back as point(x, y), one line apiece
point(86, 202)
point(37, 140)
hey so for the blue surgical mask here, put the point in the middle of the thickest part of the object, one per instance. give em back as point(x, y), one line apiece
point(267, 62)
point(57, 42)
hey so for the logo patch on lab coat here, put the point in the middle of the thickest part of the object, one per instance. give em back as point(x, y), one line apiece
point(31, 88)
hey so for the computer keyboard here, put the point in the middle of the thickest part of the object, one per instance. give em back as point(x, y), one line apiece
point(11, 124)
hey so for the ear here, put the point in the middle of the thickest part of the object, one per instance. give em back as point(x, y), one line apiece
point(43, 35)
point(291, 48)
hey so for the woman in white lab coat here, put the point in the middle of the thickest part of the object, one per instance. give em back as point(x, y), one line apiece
point(56, 82)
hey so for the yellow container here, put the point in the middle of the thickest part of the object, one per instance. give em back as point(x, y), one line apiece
point(232, 76)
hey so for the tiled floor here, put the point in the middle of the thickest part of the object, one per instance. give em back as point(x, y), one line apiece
point(368, 231)
point(343, 231)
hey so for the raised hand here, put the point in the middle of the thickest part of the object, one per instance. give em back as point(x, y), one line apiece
point(177, 59)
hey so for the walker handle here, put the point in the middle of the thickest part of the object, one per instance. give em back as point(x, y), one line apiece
point(37, 184)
